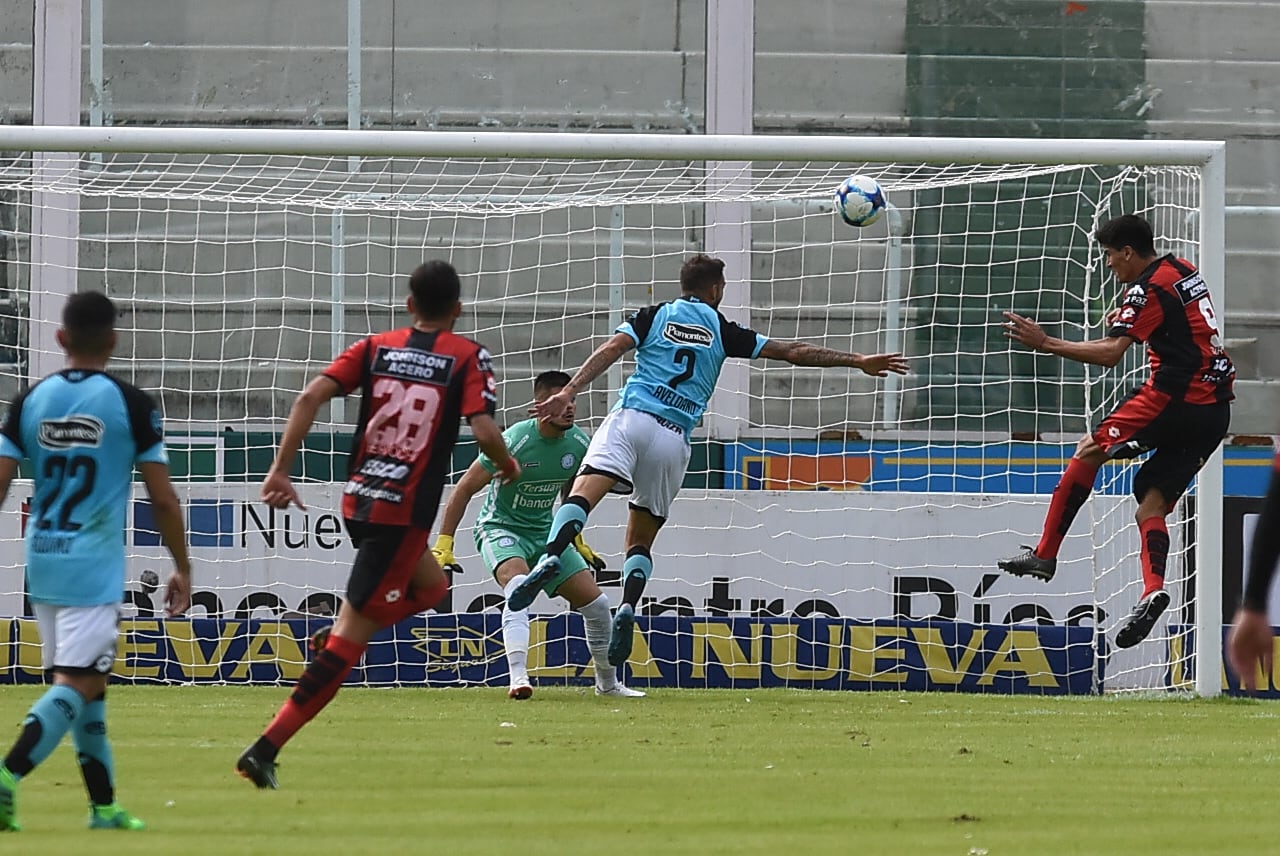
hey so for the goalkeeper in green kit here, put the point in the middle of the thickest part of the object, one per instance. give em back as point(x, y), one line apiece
point(511, 532)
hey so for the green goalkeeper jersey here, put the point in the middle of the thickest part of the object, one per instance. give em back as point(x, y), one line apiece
point(545, 465)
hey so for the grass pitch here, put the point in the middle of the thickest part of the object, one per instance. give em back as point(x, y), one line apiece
point(683, 771)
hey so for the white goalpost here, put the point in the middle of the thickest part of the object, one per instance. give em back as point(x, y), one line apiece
point(833, 531)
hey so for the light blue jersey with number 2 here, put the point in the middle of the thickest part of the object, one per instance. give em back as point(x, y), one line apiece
point(82, 431)
point(681, 347)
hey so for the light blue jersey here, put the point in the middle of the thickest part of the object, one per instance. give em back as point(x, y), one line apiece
point(681, 347)
point(82, 431)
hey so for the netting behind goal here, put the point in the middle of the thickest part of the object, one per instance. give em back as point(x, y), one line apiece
point(833, 530)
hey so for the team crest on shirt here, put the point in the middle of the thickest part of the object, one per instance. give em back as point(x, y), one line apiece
point(688, 334)
point(506, 541)
point(568, 461)
point(78, 429)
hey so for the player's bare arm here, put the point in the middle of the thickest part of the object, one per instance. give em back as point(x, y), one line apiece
point(8, 472)
point(167, 509)
point(489, 438)
point(277, 488)
point(1250, 645)
point(805, 354)
point(554, 406)
point(472, 482)
point(1099, 352)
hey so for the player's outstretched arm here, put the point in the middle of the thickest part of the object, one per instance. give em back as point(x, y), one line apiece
point(1099, 352)
point(489, 438)
point(277, 488)
point(167, 510)
point(805, 354)
point(554, 406)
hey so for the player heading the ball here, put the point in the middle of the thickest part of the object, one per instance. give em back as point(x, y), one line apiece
point(642, 448)
point(1181, 413)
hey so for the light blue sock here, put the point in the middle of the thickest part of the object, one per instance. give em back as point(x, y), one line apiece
point(569, 520)
point(94, 752)
point(636, 571)
point(637, 564)
point(50, 718)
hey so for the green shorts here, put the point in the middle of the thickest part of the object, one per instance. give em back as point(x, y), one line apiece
point(497, 545)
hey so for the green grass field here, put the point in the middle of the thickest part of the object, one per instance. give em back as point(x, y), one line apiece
point(683, 771)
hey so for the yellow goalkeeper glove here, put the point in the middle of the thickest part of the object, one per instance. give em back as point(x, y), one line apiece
point(593, 558)
point(443, 551)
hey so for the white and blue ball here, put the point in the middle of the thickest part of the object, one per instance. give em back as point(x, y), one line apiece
point(860, 200)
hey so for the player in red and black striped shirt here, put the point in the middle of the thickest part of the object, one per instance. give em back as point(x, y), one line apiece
point(1181, 413)
point(1252, 640)
point(415, 384)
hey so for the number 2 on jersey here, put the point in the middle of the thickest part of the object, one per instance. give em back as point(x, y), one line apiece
point(689, 357)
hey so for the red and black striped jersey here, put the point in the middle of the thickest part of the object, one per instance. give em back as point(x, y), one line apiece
point(1168, 307)
point(415, 388)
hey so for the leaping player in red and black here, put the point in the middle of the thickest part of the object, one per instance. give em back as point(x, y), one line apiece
point(1181, 412)
point(415, 384)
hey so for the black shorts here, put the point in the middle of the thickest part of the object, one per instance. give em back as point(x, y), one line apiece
point(386, 558)
point(1182, 435)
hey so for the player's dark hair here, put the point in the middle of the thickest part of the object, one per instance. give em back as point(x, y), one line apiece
point(700, 273)
point(436, 288)
point(89, 318)
point(1127, 230)
point(548, 381)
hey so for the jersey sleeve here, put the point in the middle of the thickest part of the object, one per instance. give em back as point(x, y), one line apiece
point(479, 385)
point(741, 341)
point(11, 433)
point(348, 370)
point(639, 324)
point(1138, 317)
point(147, 426)
point(510, 436)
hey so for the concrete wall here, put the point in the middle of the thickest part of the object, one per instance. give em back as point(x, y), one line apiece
point(1204, 71)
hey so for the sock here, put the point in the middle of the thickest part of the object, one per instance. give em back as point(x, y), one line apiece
point(598, 623)
point(1155, 552)
point(636, 570)
point(315, 689)
point(93, 750)
point(570, 517)
point(1068, 497)
point(50, 718)
point(515, 636)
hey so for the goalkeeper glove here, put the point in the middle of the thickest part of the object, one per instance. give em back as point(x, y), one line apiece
point(443, 551)
point(593, 558)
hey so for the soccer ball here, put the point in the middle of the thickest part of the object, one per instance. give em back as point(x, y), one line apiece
point(860, 200)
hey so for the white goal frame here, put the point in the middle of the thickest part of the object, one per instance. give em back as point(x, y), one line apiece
point(57, 248)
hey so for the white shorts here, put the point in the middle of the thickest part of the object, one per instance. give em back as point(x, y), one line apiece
point(79, 638)
point(628, 438)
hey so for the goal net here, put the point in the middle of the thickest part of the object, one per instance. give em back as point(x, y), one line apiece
point(834, 530)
